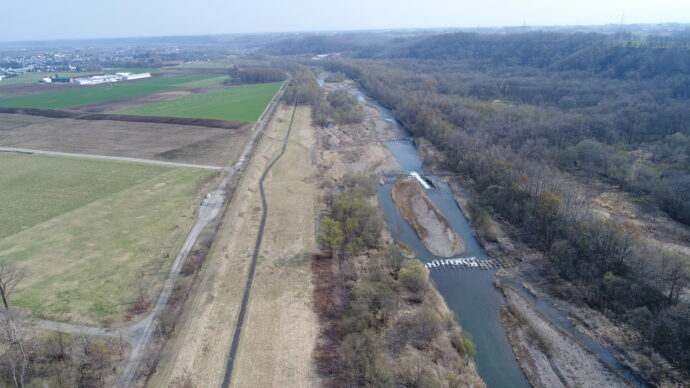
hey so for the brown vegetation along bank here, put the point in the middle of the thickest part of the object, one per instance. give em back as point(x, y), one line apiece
point(549, 356)
point(433, 229)
point(382, 321)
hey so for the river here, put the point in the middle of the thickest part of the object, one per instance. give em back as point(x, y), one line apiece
point(470, 294)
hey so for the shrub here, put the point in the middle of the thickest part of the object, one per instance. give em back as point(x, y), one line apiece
point(416, 279)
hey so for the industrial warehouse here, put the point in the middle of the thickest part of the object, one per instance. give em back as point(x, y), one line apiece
point(98, 79)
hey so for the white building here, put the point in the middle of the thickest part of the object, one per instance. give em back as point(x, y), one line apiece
point(130, 77)
point(110, 78)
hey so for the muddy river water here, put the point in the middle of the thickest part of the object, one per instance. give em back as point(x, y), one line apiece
point(470, 294)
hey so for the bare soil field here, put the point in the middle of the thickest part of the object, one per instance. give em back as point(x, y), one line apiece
point(115, 105)
point(169, 142)
point(13, 121)
point(280, 328)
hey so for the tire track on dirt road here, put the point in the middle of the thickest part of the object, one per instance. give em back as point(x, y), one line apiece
point(255, 256)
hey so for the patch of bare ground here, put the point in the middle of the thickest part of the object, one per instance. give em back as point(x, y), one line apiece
point(13, 121)
point(433, 229)
point(550, 357)
point(168, 142)
point(351, 149)
point(280, 327)
point(117, 105)
point(653, 224)
point(136, 101)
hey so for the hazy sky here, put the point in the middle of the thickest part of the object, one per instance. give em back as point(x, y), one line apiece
point(51, 19)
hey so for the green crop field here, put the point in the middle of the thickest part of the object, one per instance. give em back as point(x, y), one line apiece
point(86, 231)
point(216, 80)
point(111, 70)
point(203, 65)
point(240, 103)
point(100, 93)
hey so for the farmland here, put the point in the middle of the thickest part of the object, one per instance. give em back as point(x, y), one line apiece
point(35, 77)
point(203, 65)
point(100, 93)
point(241, 103)
point(89, 232)
point(167, 142)
point(131, 70)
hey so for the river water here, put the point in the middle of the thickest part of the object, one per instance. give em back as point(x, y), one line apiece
point(470, 294)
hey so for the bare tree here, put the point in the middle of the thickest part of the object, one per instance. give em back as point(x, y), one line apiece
point(10, 276)
point(13, 337)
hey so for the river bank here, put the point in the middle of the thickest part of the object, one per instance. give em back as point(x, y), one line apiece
point(470, 295)
point(615, 344)
point(440, 357)
point(547, 354)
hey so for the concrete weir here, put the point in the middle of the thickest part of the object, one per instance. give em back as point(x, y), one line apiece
point(463, 263)
point(422, 181)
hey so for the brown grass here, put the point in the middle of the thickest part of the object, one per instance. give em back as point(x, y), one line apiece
point(280, 328)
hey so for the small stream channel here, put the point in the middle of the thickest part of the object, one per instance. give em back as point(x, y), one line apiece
point(470, 294)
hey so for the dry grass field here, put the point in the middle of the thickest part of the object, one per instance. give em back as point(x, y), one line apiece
point(93, 235)
point(280, 328)
point(169, 142)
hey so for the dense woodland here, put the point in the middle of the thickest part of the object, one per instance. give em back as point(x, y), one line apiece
point(535, 121)
point(256, 75)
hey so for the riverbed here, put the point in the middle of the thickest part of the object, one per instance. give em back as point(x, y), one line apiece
point(470, 294)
